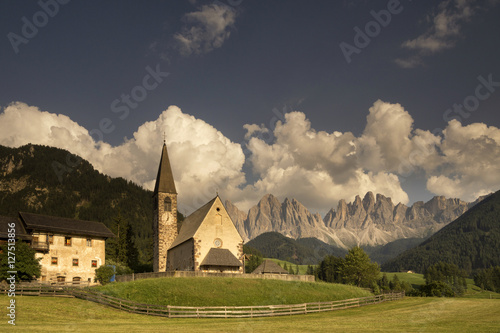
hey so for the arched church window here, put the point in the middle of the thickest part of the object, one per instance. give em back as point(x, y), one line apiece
point(167, 204)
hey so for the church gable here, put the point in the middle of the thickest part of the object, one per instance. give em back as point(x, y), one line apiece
point(217, 231)
point(191, 224)
point(217, 223)
point(208, 228)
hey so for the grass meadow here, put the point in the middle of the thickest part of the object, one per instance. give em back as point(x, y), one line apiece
point(57, 314)
point(230, 292)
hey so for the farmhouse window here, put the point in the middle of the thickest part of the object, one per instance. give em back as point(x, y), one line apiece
point(53, 260)
point(89, 242)
point(61, 278)
point(75, 262)
point(51, 239)
point(67, 241)
point(94, 263)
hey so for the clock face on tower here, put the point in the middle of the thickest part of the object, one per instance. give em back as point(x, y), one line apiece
point(167, 218)
point(217, 242)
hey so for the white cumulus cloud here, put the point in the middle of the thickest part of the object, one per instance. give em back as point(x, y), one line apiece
point(293, 160)
point(203, 159)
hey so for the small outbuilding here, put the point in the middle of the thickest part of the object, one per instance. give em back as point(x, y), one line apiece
point(269, 267)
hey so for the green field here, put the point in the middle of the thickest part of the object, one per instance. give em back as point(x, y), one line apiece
point(51, 314)
point(302, 268)
point(417, 280)
point(229, 292)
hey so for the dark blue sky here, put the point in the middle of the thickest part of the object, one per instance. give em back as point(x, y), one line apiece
point(282, 55)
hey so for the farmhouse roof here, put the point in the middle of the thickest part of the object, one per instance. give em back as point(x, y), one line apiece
point(269, 267)
point(37, 222)
point(191, 224)
point(165, 179)
point(220, 257)
point(20, 231)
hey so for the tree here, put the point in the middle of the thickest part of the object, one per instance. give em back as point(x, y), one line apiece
point(395, 284)
point(357, 268)
point(329, 269)
point(253, 263)
point(384, 282)
point(26, 265)
point(488, 279)
point(103, 274)
point(445, 274)
point(122, 249)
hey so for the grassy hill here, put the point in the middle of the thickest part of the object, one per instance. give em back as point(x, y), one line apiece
point(471, 242)
point(305, 251)
point(417, 280)
point(384, 253)
point(229, 291)
point(302, 268)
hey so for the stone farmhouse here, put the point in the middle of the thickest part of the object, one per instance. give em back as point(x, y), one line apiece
point(70, 250)
point(206, 241)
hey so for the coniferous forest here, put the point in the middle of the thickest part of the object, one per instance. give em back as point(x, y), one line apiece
point(52, 181)
point(470, 242)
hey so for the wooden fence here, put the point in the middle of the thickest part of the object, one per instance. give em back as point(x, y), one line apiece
point(172, 311)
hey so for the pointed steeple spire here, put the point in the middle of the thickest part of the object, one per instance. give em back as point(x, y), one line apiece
point(165, 179)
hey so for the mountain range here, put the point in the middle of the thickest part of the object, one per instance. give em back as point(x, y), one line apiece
point(52, 181)
point(471, 242)
point(371, 221)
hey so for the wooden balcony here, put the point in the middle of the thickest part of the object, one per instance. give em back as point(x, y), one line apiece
point(40, 246)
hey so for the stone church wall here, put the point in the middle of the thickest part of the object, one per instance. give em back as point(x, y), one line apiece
point(283, 277)
point(165, 229)
point(180, 258)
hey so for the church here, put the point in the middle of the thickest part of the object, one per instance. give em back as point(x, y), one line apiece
point(206, 241)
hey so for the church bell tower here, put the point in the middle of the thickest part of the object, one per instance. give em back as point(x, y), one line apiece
point(165, 226)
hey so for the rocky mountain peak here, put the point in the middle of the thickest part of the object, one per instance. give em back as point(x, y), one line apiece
point(369, 201)
point(373, 220)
